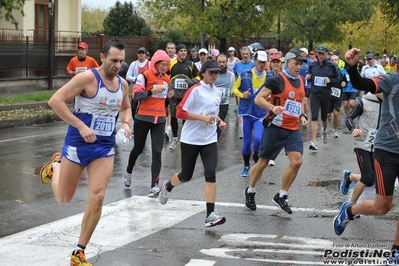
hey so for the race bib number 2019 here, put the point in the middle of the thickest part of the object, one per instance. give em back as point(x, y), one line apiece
point(103, 125)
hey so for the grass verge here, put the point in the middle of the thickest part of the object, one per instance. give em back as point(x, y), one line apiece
point(27, 98)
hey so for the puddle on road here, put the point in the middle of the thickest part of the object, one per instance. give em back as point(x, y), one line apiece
point(322, 183)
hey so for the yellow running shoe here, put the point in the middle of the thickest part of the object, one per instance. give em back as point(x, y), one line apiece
point(46, 172)
point(79, 259)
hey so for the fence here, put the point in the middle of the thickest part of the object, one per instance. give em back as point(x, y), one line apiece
point(28, 56)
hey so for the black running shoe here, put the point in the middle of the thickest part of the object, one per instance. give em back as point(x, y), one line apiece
point(250, 200)
point(282, 203)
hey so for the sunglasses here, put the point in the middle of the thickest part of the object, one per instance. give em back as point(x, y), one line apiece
point(141, 52)
point(214, 72)
point(321, 53)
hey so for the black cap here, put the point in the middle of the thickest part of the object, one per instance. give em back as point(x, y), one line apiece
point(180, 46)
point(142, 49)
point(322, 49)
point(377, 54)
point(294, 54)
point(336, 52)
point(211, 65)
point(369, 56)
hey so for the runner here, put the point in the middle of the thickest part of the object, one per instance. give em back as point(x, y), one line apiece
point(89, 143)
point(151, 90)
point(200, 108)
point(281, 128)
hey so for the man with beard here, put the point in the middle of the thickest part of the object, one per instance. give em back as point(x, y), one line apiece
point(225, 82)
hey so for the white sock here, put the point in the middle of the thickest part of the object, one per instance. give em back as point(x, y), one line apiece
point(251, 189)
point(282, 193)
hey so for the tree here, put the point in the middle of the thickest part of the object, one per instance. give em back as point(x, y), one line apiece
point(9, 6)
point(93, 19)
point(220, 20)
point(320, 20)
point(123, 20)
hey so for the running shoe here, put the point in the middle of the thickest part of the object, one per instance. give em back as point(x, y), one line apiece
point(154, 192)
point(335, 133)
point(342, 219)
point(250, 200)
point(393, 259)
point(345, 183)
point(272, 163)
point(164, 193)
point(313, 145)
point(46, 172)
point(245, 171)
point(325, 137)
point(79, 259)
point(173, 144)
point(127, 179)
point(213, 219)
point(282, 203)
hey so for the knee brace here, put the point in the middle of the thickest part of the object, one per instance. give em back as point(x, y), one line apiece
point(184, 179)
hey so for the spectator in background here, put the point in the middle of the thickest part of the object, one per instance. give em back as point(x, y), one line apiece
point(377, 59)
point(214, 54)
point(81, 62)
point(194, 55)
point(312, 56)
point(392, 64)
point(139, 66)
point(171, 50)
point(203, 56)
point(385, 65)
point(232, 59)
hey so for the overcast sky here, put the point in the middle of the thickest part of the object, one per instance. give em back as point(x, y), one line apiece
point(103, 4)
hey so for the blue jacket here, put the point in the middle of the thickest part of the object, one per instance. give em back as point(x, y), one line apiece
point(247, 107)
point(327, 69)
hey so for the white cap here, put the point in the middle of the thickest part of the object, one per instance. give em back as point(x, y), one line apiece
point(203, 50)
point(303, 49)
point(261, 56)
point(231, 49)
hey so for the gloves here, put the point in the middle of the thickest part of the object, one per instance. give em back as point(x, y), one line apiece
point(120, 138)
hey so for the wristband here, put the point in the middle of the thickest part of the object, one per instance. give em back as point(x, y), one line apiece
point(126, 122)
point(304, 115)
point(149, 92)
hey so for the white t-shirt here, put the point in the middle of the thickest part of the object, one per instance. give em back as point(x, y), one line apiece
point(372, 71)
point(200, 100)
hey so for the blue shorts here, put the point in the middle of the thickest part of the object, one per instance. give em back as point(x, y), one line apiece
point(274, 139)
point(346, 96)
point(84, 155)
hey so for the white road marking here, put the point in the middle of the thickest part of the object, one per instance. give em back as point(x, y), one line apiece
point(194, 262)
point(122, 222)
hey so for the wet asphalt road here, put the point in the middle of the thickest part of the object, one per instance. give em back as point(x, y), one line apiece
point(25, 203)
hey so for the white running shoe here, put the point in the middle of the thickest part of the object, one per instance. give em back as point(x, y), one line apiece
point(272, 163)
point(213, 219)
point(127, 179)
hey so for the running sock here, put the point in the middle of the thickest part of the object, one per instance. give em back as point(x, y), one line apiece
point(251, 189)
point(282, 193)
point(169, 186)
point(78, 247)
point(246, 159)
point(349, 212)
point(395, 247)
point(210, 207)
point(255, 156)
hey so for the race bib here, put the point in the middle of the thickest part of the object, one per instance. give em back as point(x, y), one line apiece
point(335, 92)
point(81, 69)
point(292, 108)
point(213, 113)
point(306, 82)
point(180, 84)
point(103, 125)
point(348, 77)
point(319, 81)
point(162, 94)
point(370, 138)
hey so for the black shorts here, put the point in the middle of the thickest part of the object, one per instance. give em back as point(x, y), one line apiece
point(335, 104)
point(366, 166)
point(386, 171)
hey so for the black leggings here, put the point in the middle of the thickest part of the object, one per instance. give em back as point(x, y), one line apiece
point(141, 129)
point(319, 103)
point(173, 120)
point(209, 157)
